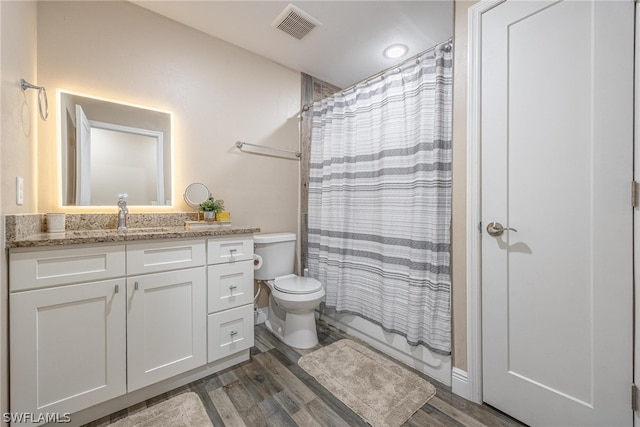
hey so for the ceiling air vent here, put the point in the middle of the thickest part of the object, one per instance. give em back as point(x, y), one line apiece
point(295, 22)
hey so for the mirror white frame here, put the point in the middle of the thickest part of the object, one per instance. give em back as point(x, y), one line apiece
point(155, 128)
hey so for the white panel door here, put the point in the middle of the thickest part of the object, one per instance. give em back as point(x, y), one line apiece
point(166, 325)
point(557, 150)
point(67, 347)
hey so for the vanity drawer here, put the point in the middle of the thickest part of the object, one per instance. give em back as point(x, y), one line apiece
point(230, 331)
point(52, 267)
point(232, 249)
point(230, 285)
point(143, 258)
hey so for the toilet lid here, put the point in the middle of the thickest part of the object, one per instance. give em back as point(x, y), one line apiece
point(292, 284)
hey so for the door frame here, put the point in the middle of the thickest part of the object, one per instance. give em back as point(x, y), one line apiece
point(471, 386)
point(636, 210)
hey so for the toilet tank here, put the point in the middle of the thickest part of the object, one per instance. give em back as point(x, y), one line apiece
point(278, 251)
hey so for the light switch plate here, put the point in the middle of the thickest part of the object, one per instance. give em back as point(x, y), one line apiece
point(19, 190)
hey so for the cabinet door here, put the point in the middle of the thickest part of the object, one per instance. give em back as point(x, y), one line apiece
point(230, 331)
point(32, 269)
point(229, 249)
point(230, 285)
point(154, 257)
point(67, 347)
point(166, 325)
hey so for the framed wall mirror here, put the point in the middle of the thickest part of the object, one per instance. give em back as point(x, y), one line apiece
point(107, 148)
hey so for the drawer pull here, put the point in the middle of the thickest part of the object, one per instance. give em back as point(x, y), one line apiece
point(231, 288)
point(231, 251)
point(135, 286)
point(117, 289)
point(233, 334)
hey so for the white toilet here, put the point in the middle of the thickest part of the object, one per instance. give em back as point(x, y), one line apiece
point(293, 299)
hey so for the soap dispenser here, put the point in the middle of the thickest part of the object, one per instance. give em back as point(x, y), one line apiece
point(123, 211)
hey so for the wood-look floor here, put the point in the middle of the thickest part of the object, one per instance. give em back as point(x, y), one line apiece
point(272, 390)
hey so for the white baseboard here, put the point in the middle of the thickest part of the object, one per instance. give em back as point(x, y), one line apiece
point(460, 383)
point(420, 358)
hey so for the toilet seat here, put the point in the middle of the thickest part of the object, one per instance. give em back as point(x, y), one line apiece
point(292, 284)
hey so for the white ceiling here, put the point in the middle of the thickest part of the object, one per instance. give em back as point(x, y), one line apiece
point(345, 49)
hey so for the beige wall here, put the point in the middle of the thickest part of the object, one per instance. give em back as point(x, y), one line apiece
point(458, 226)
point(19, 119)
point(18, 136)
point(217, 92)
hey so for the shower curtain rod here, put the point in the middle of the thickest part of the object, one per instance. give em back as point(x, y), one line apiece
point(449, 41)
point(394, 67)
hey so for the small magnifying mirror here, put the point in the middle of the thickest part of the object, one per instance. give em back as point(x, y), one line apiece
point(195, 194)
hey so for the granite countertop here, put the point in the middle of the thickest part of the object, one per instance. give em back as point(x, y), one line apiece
point(74, 237)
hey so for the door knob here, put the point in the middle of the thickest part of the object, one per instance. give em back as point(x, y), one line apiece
point(496, 229)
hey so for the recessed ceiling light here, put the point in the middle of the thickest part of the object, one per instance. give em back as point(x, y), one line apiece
point(395, 51)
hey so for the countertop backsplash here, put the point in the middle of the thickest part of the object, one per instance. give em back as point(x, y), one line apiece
point(29, 230)
point(22, 225)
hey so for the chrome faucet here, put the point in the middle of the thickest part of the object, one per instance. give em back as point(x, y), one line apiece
point(123, 211)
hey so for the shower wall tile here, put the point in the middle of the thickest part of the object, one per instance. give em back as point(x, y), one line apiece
point(312, 90)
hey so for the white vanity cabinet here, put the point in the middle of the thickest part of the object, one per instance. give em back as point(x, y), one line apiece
point(68, 335)
point(166, 310)
point(230, 295)
point(98, 327)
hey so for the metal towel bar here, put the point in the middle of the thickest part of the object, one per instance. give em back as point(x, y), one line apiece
point(240, 144)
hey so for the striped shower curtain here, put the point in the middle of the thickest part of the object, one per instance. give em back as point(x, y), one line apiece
point(380, 200)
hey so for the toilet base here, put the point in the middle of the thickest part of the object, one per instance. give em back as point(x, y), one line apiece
point(295, 330)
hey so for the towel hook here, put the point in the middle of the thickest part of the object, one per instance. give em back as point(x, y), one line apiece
point(42, 94)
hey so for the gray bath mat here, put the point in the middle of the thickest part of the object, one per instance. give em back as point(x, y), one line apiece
point(183, 410)
point(381, 391)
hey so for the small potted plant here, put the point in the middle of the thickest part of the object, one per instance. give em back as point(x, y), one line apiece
point(209, 208)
